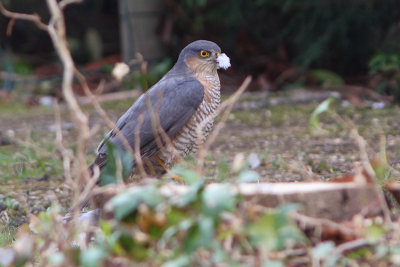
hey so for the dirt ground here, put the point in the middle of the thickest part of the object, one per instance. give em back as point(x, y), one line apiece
point(279, 135)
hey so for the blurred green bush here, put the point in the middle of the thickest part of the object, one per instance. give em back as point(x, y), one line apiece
point(329, 34)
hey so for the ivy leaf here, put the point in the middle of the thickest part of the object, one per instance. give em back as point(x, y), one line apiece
point(189, 176)
point(200, 235)
point(126, 203)
point(248, 176)
point(92, 257)
point(217, 198)
point(119, 163)
point(181, 261)
point(275, 230)
point(191, 196)
point(323, 249)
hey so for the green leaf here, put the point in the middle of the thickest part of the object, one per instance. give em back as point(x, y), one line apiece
point(189, 176)
point(321, 108)
point(119, 164)
point(248, 176)
point(273, 264)
point(217, 198)
point(92, 257)
point(200, 235)
point(274, 230)
point(181, 261)
point(375, 233)
point(126, 203)
point(323, 249)
point(106, 227)
point(191, 196)
point(384, 63)
point(57, 259)
point(327, 77)
point(380, 163)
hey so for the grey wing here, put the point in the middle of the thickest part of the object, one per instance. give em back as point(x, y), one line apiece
point(173, 100)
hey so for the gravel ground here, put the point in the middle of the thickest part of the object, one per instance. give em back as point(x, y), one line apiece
point(280, 136)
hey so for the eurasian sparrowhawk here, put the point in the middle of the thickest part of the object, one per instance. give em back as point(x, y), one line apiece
point(176, 114)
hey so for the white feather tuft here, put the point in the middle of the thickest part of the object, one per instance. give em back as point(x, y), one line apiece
point(120, 70)
point(223, 61)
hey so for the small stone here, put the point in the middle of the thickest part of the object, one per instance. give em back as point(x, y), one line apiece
point(3, 205)
point(46, 101)
point(254, 161)
point(378, 105)
point(4, 140)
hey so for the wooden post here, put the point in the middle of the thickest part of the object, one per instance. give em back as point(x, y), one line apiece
point(138, 22)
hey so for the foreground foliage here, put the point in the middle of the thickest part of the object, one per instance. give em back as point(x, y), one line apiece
point(200, 226)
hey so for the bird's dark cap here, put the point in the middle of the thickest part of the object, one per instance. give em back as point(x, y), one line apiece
point(191, 50)
point(197, 46)
point(203, 45)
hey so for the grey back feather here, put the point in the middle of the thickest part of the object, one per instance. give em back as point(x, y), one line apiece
point(173, 100)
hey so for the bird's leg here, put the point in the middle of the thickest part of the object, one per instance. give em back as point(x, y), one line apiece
point(173, 175)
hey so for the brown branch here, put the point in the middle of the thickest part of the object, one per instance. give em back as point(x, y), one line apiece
point(65, 154)
point(345, 248)
point(35, 18)
point(57, 32)
point(362, 144)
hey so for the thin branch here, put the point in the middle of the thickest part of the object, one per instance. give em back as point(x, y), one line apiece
point(63, 4)
point(344, 248)
point(57, 32)
point(305, 220)
point(35, 18)
point(368, 167)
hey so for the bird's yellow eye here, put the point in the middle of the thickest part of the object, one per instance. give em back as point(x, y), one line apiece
point(204, 53)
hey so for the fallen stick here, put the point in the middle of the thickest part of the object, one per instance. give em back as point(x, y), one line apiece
point(337, 202)
point(333, 201)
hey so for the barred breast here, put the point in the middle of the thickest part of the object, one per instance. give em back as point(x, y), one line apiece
point(195, 132)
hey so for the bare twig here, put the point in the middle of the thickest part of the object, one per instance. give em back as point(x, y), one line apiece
point(368, 167)
point(362, 146)
point(344, 248)
point(65, 154)
point(63, 4)
point(29, 17)
point(137, 156)
point(313, 222)
point(57, 32)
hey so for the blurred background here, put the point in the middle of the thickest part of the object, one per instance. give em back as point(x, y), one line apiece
point(351, 46)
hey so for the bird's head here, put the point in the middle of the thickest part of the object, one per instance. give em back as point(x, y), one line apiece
point(204, 56)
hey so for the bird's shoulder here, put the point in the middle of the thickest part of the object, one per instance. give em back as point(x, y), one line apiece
point(172, 92)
